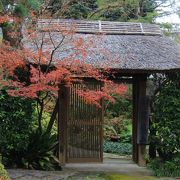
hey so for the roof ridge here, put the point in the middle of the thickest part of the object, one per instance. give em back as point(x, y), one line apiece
point(105, 27)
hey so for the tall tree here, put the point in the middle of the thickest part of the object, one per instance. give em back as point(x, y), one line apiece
point(77, 9)
point(120, 10)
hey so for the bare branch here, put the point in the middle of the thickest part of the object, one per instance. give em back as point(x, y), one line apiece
point(53, 51)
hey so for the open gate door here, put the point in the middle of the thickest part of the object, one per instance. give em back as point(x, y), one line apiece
point(82, 136)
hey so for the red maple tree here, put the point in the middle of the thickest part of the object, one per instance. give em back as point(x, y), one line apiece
point(38, 58)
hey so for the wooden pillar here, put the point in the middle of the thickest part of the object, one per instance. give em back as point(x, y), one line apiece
point(63, 111)
point(134, 128)
point(140, 119)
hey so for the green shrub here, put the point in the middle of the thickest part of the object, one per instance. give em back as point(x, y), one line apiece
point(118, 148)
point(118, 127)
point(39, 153)
point(21, 145)
point(3, 173)
point(118, 117)
point(166, 120)
point(169, 168)
point(15, 125)
point(122, 106)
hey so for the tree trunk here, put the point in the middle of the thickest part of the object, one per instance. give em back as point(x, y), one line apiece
point(40, 116)
point(53, 117)
point(141, 8)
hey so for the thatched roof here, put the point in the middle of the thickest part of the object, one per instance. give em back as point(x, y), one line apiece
point(136, 47)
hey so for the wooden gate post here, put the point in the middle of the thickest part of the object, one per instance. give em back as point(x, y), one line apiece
point(140, 121)
point(63, 112)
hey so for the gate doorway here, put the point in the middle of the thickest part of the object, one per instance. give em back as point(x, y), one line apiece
point(80, 126)
point(118, 126)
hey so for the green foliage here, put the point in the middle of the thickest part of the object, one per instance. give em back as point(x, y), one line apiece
point(129, 10)
point(149, 18)
point(45, 121)
point(166, 118)
point(35, 4)
point(81, 9)
point(118, 148)
point(3, 173)
point(21, 144)
point(126, 132)
point(166, 168)
point(118, 118)
point(118, 127)
point(40, 152)
point(122, 106)
point(21, 8)
point(167, 28)
point(15, 123)
point(77, 9)
point(114, 10)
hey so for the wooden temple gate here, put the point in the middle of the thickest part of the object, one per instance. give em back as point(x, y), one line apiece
point(81, 125)
point(138, 50)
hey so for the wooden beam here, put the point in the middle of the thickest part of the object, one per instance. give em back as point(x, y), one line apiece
point(134, 125)
point(139, 93)
point(64, 95)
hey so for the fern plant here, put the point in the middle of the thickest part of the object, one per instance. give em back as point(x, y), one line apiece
point(40, 152)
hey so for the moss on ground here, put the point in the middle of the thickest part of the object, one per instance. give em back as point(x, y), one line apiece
point(126, 177)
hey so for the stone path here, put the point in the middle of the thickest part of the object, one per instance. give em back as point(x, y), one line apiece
point(88, 171)
point(111, 165)
point(65, 175)
point(53, 175)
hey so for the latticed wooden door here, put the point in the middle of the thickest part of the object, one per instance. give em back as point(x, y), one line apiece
point(84, 127)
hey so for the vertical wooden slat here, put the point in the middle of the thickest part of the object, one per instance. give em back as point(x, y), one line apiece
point(92, 135)
point(84, 128)
point(96, 128)
point(102, 129)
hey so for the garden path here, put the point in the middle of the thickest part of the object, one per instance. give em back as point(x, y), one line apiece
point(118, 168)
